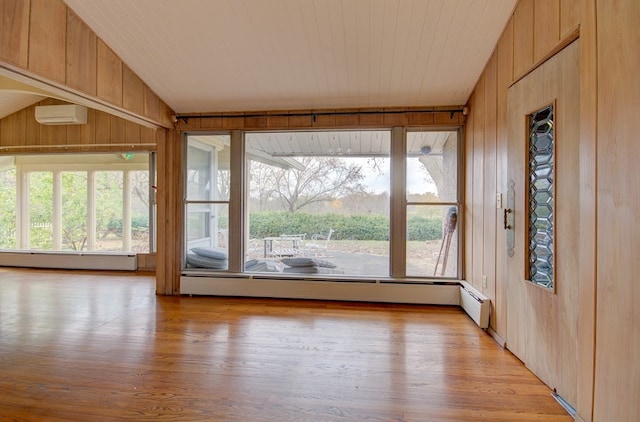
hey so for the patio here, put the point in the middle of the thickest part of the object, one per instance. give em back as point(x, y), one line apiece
point(361, 258)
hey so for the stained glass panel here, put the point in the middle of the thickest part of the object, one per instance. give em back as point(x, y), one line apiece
point(541, 196)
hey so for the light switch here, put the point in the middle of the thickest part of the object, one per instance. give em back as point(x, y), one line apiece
point(498, 200)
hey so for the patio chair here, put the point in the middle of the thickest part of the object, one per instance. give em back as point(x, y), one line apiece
point(319, 242)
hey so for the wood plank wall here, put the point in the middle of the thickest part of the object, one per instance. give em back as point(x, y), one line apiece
point(536, 30)
point(169, 211)
point(608, 183)
point(617, 371)
point(20, 133)
point(520, 48)
point(36, 34)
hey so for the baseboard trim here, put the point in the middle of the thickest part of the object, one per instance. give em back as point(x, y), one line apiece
point(565, 405)
point(501, 342)
point(69, 260)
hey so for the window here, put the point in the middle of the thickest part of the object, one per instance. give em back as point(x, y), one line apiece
point(8, 211)
point(541, 197)
point(323, 196)
point(207, 201)
point(319, 203)
point(76, 202)
point(432, 204)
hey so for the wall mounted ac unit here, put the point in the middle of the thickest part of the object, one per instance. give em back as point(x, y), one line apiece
point(63, 114)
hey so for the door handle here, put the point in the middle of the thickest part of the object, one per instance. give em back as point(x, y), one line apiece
point(507, 211)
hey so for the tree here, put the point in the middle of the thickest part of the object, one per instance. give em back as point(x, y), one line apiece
point(262, 184)
point(8, 209)
point(74, 210)
point(319, 179)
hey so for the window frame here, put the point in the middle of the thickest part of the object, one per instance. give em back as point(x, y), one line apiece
point(238, 235)
point(527, 238)
point(41, 162)
point(186, 202)
point(458, 203)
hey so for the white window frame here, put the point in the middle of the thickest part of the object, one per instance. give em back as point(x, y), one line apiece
point(23, 189)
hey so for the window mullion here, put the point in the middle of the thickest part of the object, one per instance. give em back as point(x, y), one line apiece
point(126, 210)
point(398, 217)
point(57, 210)
point(22, 208)
point(91, 211)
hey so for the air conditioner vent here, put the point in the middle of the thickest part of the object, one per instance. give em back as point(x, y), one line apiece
point(63, 114)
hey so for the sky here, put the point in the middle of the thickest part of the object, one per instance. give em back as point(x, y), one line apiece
point(380, 182)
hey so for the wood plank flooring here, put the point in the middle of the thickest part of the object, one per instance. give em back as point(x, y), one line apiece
point(102, 346)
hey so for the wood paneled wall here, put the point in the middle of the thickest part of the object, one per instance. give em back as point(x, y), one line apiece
point(20, 133)
point(170, 226)
point(45, 38)
point(617, 371)
point(607, 181)
point(536, 31)
point(531, 35)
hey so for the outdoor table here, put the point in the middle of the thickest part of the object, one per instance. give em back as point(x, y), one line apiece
point(294, 239)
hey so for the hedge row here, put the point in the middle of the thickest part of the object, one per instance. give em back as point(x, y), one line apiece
point(352, 227)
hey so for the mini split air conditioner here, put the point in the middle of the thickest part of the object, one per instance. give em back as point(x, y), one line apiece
point(63, 114)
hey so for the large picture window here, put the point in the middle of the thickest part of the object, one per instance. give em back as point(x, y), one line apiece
point(319, 204)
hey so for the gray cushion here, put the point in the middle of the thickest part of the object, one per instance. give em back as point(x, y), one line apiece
point(198, 261)
point(308, 262)
point(210, 252)
point(312, 270)
point(257, 265)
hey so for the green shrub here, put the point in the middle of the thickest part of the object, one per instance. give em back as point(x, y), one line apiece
point(423, 228)
point(346, 227)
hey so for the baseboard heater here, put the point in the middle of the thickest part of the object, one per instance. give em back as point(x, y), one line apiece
point(460, 293)
point(70, 260)
point(475, 304)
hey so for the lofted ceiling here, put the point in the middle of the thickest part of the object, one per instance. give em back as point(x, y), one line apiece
point(239, 55)
point(14, 96)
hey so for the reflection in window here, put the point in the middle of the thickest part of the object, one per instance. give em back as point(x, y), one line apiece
point(541, 196)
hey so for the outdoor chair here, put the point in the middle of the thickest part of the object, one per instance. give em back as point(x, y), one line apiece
point(319, 242)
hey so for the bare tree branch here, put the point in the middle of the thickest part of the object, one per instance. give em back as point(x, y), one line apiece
point(321, 179)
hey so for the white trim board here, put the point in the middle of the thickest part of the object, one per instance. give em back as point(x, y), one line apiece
point(70, 260)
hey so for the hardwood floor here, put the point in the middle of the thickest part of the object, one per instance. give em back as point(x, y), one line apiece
point(89, 346)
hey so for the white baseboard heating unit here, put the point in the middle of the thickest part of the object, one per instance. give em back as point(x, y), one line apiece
point(70, 260)
point(475, 304)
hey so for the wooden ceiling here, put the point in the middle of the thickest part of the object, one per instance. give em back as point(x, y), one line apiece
point(239, 55)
